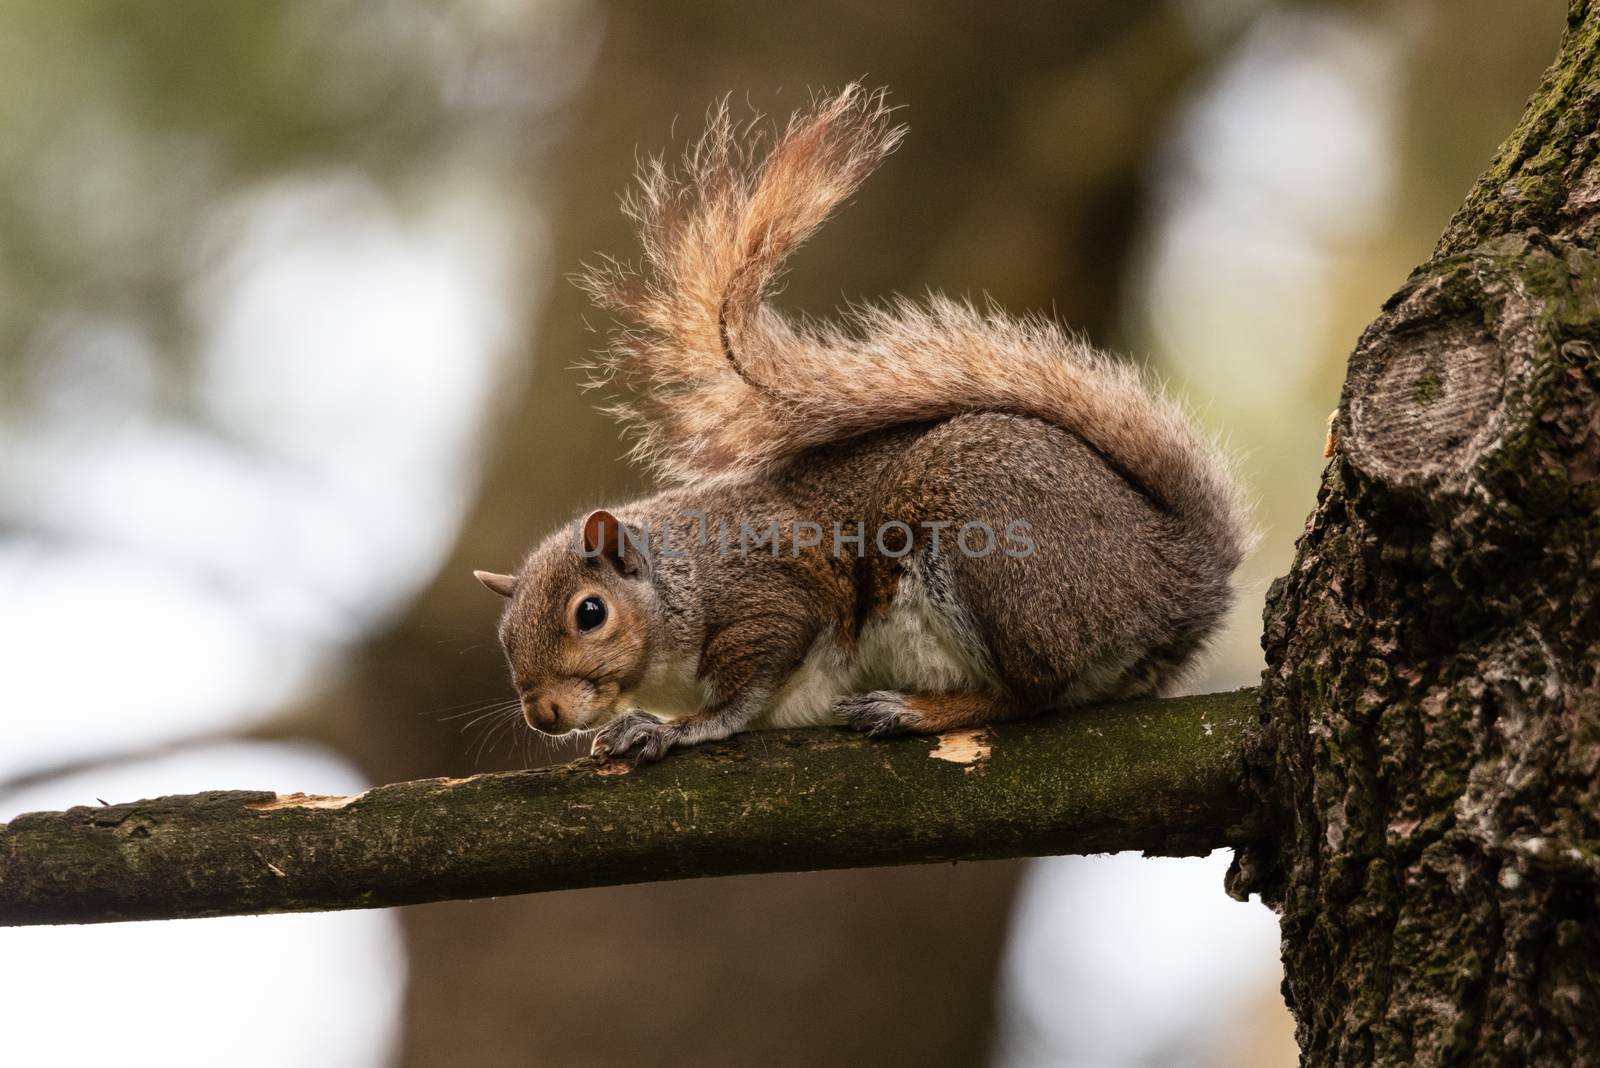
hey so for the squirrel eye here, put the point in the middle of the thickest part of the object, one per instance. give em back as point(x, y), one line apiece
point(590, 614)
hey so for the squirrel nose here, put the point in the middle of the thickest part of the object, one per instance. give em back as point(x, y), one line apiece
point(542, 712)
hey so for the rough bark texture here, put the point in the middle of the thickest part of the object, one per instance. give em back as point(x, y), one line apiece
point(1159, 776)
point(1430, 712)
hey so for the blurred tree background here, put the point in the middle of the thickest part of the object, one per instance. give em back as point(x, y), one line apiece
point(285, 351)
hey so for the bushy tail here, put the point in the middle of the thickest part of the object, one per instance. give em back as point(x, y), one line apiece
point(718, 382)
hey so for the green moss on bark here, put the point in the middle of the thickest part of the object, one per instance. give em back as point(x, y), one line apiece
point(1160, 776)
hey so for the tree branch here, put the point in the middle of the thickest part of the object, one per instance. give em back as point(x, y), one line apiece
point(1159, 776)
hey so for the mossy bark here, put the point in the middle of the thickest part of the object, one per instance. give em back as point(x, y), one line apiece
point(1431, 708)
point(1159, 776)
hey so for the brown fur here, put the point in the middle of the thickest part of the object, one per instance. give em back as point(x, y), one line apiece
point(936, 712)
point(582, 673)
point(922, 414)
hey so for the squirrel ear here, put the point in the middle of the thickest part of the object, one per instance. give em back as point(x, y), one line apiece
point(605, 536)
point(504, 585)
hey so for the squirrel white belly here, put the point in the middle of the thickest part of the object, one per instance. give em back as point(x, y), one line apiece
point(915, 646)
point(923, 517)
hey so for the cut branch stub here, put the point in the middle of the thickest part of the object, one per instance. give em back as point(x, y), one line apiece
point(1445, 388)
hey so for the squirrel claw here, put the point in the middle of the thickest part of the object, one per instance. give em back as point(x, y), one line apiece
point(635, 734)
point(879, 714)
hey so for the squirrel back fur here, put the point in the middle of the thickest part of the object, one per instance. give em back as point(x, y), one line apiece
point(719, 383)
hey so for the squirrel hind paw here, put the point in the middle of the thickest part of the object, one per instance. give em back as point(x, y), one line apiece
point(879, 714)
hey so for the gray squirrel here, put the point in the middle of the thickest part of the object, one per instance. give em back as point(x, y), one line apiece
point(926, 516)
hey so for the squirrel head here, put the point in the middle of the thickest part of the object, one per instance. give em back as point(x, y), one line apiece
point(577, 623)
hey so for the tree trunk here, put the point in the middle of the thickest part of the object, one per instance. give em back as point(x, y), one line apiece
point(1430, 728)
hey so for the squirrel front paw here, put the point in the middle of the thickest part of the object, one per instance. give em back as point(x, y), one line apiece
point(879, 714)
point(634, 734)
